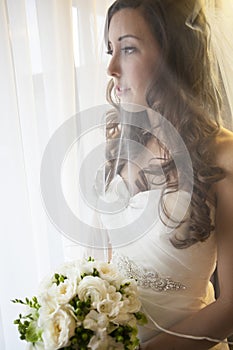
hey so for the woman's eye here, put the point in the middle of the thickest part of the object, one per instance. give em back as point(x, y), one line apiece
point(128, 50)
point(109, 52)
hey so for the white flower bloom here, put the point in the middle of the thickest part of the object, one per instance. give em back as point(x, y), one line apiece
point(47, 311)
point(95, 321)
point(112, 304)
point(102, 341)
point(86, 266)
point(132, 322)
point(64, 292)
point(92, 287)
point(130, 297)
point(58, 330)
point(97, 343)
point(113, 345)
point(111, 289)
point(61, 293)
point(109, 273)
point(132, 303)
point(131, 287)
point(105, 306)
point(109, 307)
point(70, 269)
point(114, 296)
point(114, 300)
point(122, 318)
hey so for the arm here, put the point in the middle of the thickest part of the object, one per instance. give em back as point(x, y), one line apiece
point(215, 320)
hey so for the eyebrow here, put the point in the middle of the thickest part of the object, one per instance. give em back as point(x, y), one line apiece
point(128, 36)
point(125, 37)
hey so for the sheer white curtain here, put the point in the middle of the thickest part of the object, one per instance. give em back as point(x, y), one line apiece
point(50, 68)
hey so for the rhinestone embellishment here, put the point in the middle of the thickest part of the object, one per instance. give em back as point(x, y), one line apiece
point(146, 279)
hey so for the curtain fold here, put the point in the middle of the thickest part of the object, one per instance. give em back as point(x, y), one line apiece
point(16, 224)
point(51, 54)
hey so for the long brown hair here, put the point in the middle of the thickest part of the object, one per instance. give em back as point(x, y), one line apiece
point(185, 91)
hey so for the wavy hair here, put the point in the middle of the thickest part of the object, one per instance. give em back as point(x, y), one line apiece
point(187, 77)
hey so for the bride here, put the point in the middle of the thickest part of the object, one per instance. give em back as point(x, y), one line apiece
point(169, 164)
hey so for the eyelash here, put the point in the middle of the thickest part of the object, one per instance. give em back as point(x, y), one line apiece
point(109, 52)
point(128, 50)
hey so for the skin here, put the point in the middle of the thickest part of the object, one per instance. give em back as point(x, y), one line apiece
point(132, 63)
point(131, 70)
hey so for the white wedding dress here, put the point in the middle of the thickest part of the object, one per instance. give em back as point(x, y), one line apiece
point(173, 283)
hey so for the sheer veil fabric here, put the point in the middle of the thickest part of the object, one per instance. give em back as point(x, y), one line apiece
point(219, 16)
point(221, 26)
point(178, 290)
point(135, 235)
point(62, 94)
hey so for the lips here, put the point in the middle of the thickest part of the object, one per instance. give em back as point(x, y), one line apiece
point(121, 90)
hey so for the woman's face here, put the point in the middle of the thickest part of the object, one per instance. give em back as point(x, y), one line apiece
point(134, 53)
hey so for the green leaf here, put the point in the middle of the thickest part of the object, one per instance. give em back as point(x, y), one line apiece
point(141, 318)
point(59, 278)
point(33, 333)
point(95, 273)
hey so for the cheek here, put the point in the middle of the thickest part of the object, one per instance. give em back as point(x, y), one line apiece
point(134, 78)
point(142, 75)
point(133, 71)
point(143, 80)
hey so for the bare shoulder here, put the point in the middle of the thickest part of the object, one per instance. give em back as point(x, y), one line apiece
point(223, 152)
point(223, 149)
point(223, 191)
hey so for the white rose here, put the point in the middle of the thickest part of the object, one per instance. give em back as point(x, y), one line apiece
point(61, 293)
point(132, 303)
point(131, 285)
point(44, 286)
point(93, 288)
point(109, 273)
point(64, 292)
point(70, 269)
point(47, 311)
point(111, 289)
point(58, 330)
point(86, 266)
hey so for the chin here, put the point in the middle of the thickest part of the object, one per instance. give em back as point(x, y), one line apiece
point(134, 101)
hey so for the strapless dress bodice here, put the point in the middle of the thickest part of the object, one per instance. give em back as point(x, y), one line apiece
point(173, 283)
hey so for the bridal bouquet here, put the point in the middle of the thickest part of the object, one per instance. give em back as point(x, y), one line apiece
point(86, 304)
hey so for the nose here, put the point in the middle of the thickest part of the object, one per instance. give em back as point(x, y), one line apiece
point(114, 67)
